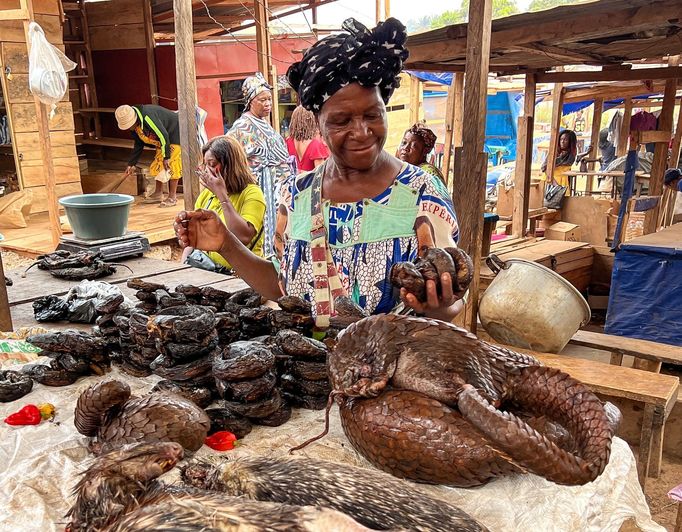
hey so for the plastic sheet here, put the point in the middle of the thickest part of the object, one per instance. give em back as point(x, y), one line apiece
point(41, 464)
point(646, 294)
point(85, 298)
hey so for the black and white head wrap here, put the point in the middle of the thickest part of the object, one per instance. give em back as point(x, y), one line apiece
point(371, 58)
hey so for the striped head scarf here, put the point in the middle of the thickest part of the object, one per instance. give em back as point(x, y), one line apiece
point(253, 86)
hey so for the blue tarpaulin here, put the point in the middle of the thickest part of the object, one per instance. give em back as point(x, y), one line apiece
point(646, 294)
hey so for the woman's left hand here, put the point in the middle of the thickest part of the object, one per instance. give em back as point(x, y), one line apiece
point(213, 182)
point(444, 308)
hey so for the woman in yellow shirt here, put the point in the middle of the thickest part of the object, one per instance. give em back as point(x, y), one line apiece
point(231, 191)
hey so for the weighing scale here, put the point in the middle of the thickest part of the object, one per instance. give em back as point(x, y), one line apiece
point(131, 244)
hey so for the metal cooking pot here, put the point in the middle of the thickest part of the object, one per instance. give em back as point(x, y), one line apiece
point(528, 305)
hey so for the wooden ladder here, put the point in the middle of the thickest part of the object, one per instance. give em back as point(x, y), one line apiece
point(82, 79)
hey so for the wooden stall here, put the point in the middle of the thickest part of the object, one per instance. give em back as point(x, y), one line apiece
point(540, 46)
point(115, 44)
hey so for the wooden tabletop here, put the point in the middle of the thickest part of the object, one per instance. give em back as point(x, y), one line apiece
point(638, 173)
point(670, 354)
point(38, 283)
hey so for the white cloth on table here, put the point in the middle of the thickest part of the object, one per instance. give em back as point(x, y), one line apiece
point(41, 464)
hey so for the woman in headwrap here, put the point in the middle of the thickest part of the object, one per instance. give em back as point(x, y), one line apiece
point(265, 148)
point(343, 226)
point(417, 143)
point(304, 142)
point(567, 151)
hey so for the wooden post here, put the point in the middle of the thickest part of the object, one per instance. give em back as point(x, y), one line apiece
point(275, 98)
point(415, 93)
point(625, 128)
point(5, 314)
point(557, 112)
point(469, 187)
point(660, 162)
point(187, 99)
point(150, 46)
point(594, 138)
point(677, 141)
point(524, 159)
point(261, 16)
point(377, 11)
point(45, 144)
point(313, 10)
point(387, 9)
point(453, 123)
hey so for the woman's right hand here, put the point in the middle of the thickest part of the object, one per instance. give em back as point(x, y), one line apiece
point(200, 229)
point(213, 182)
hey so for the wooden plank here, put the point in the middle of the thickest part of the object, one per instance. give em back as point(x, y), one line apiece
point(40, 197)
point(88, 92)
point(635, 347)
point(469, 187)
point(616, 381)
point(25, 118)
point(28, 145)
point(557, 112)
point(15, 56)
point(51, 24)
point(119, 37)
point(66, 170)
point(610, 75)
point(656, 457)
point(574, 265)
point(597, 110)
point(646, 137)
point(13, 14)
point(524, 159)
point(187, 98)
point(38, 283)
point(110, 14)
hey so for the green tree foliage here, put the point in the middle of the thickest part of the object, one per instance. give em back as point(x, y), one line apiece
point(539, 5)
point(501, 8)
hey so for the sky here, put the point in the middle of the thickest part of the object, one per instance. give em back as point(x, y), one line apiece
point(404, 10)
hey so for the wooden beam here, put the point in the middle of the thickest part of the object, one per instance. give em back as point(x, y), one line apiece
point(524, 159)
point(89, 93)
point(613, 91)
point(677, 141)
point(377, 11)
point(187, 99)
point(313, 11)
point(281, 14)
point(429, 66)
point(453, 123)
point(458, 127)
point(624, 128)
point(45, 143)
point(557, 112)
point(611, 75)
point(13, 14)
point(415, 90)
point(469, 186)
point(151, 45)
point(597, 111)
point(5, 314)
point(573, 28)
point(263, 44)
point(660, 162)
point(387, 9)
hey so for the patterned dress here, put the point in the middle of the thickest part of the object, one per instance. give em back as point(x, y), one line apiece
point(268, 159)
point(366, 237)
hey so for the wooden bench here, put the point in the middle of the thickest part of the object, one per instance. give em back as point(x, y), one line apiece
point(654, 352)
point(657, 392)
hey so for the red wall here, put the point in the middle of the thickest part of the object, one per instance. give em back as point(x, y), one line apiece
point(121, 76)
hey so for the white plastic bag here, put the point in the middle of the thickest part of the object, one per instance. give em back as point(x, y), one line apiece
point(47, 68)
point(163, 176)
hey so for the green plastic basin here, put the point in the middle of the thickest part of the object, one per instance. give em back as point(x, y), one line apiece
point(97, 216)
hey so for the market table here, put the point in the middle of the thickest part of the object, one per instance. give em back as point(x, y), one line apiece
point(41, 464)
